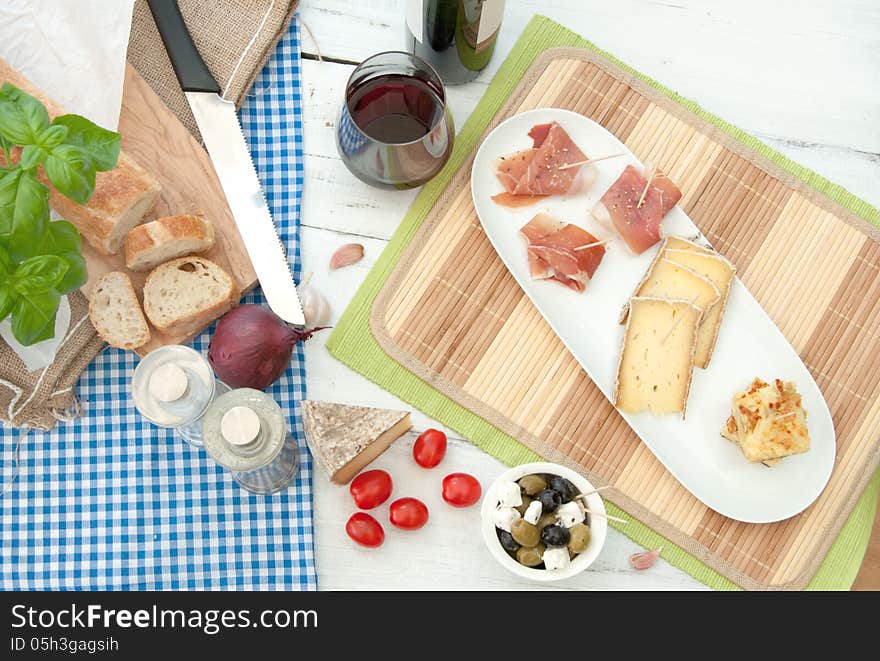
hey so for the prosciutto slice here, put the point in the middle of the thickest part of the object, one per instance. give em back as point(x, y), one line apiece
point(537, 171)
point(637, 217)
point(561, 251)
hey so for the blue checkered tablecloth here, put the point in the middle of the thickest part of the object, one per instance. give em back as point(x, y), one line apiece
point(108, 501)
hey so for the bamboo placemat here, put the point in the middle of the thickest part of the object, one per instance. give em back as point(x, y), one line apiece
point(451, 314)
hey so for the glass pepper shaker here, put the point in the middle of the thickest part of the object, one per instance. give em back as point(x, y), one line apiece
point(172, 387)
point(245, 432)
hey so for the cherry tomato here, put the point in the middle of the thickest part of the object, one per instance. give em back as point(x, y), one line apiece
point(365, 530)
point(408, 513)
point(370, 489)
point(430, 448)
point(461, 489)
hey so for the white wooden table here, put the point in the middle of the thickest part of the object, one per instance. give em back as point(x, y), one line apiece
point(801, 75)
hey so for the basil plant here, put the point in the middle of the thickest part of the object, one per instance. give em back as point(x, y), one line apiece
point(41, 260)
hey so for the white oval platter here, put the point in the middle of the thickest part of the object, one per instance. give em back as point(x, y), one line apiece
point(749, 343)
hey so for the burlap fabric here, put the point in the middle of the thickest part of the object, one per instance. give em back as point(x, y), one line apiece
point(39, 399)
point(222, 30)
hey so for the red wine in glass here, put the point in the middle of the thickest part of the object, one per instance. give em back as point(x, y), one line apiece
point(394, 129)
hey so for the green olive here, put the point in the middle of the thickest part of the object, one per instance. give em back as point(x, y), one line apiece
point(525, 533)
point(530, 557)
point(532, 484)
point(546, 519)
point(579, 538)
point(525, 504)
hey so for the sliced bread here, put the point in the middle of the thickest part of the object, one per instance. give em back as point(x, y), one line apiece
point(187, 293)
point(116, 313)
point(151, 244)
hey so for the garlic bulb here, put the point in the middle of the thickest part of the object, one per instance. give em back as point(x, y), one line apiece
point(316, 309)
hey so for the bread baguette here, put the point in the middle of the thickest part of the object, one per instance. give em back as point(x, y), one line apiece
point(121, 198)
point(150, 244)
point(186, 294)
point(115, 312)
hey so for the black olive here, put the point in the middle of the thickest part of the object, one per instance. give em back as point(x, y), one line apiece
point(549, 499)
point(566, 490)
point(555, 536)
point(508, 543)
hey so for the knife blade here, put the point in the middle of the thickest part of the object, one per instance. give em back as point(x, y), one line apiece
point(224, 140)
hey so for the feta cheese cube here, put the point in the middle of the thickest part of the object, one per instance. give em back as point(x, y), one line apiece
point(556, 558)
point(570, 514)
point(503, 517)
point(508, 494)
point(533, 512)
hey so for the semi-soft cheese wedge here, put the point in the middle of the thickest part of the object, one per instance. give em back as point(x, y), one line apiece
point(667, 279)
point(770, 421)
point(721, 272)
point(679, 243)
point(657, 356)
point(345, 438)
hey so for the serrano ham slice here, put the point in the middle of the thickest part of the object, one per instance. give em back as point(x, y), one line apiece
point(539, 171)
point(636, 206)
point(558, 251)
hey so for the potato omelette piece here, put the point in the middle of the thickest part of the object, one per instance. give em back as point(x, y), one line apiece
point(768, 421)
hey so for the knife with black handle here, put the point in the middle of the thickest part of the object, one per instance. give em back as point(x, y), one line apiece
point(221, 132)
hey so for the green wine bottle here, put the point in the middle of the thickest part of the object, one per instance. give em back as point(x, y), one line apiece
point(456, 36)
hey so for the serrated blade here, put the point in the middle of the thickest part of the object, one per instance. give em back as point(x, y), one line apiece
point(229, 153)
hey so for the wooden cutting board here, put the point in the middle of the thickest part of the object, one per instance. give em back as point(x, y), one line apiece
point(452, 314)
point(160, 143)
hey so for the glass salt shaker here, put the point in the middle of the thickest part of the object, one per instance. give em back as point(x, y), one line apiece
point(245, 432)
point(173, 387)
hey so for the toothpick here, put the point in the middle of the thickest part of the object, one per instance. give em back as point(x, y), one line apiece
point(605, 516)
point(672, 328)
point(675, 323)
point(590, 493)
point(647, 186)
point(589, 160)
point(306, 278)
point(593, 245)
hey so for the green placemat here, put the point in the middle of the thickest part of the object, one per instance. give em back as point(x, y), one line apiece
point(353, 343)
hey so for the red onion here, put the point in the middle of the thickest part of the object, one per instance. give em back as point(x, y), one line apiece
point(251, 347)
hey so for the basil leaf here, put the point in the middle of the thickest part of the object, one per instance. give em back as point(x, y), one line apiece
point(37, 275)
point(32, 156)
point(24, 211)
point(53, 136)
point(22, 117)
point(33, 317)
point(62, 239)
point(60, 236)
point(5, 264)
point(71, 172)
point(8, 298)
point(76, 275)
point(6, 147)
point(99, 144)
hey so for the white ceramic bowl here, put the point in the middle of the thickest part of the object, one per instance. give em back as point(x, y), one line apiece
point(598, 524)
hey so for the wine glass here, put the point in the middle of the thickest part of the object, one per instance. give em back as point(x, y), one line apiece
point(394, 128)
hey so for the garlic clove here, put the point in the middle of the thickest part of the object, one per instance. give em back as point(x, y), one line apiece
point(346, 254)
point(645, 559)
point(316, 309)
